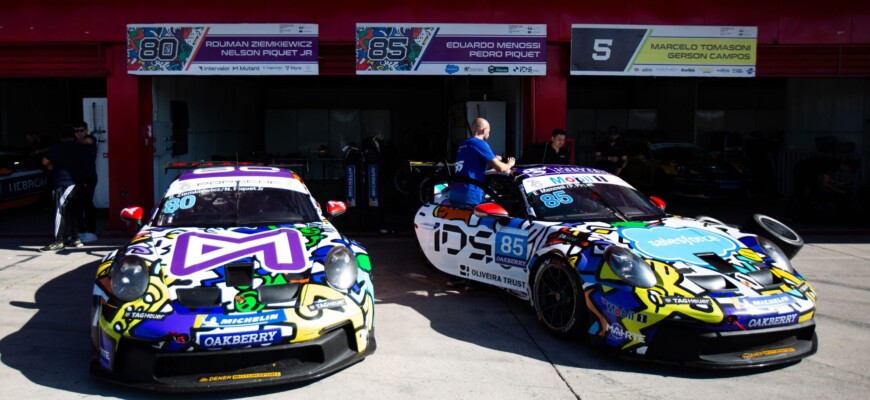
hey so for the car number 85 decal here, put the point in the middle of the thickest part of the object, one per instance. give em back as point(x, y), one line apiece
point(511, 247)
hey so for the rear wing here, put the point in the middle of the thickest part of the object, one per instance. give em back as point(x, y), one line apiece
point(279, 163)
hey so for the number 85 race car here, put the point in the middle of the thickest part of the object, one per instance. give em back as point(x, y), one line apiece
point(597, 258)
point(236, 280)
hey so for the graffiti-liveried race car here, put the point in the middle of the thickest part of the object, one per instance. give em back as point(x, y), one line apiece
point(236, 280)
point(21, 181)
point(595, 257)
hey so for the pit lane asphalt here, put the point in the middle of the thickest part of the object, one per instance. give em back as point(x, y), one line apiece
point(438, 343)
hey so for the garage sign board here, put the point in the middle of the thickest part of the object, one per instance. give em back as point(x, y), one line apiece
point(659, 50)
point(222, 49)
point(451, 49)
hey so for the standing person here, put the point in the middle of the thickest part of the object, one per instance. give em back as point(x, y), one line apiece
point(87, 221)
point(472, 159)
point(65, 160)
point(610, 154)
point(552, 152)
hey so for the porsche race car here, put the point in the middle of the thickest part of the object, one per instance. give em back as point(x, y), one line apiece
point(596, 258)
point(235, 280)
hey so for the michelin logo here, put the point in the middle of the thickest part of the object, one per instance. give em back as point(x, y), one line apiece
point(213, 320)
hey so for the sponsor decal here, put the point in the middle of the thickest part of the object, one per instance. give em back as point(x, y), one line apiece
point(620, 312)
point(240, 339)
point(257, 375)
point(451, 69)
point(144, 315)
point(768, 301)
point(320, 305)
point(765, 322)
point(511, 247)
point(467, 271)
point(679, 244)
point(215, 320)
point(107, 350)
point(25, 184)
point(686, 300)
point(453, 235)
point(373, 179)
point(572, 238)
point(764, 353)
point(350, 184)
point(620, 333)
point(281, 251)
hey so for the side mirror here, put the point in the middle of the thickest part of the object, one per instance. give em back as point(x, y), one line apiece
point(492, 210)
point(335, 208)
point(660, 204)
point(132, 215)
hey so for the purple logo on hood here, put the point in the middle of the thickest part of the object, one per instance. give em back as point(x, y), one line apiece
point(281, 250)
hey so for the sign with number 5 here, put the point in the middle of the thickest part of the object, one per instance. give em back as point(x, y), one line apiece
point(658, 50)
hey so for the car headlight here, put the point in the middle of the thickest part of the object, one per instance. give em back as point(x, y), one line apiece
point(341, 268)
point(630, 267)
point(130, 278)
point(773, 251)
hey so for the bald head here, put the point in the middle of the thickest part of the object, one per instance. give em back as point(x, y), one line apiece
point(480, 128)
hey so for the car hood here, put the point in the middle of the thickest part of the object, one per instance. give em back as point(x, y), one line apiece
point(704, 257)
point(197, 253)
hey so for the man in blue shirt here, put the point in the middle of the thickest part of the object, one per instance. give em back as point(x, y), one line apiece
point(473, 158)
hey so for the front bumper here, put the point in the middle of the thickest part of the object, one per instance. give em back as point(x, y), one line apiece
point(139, 365)
point(685, 344)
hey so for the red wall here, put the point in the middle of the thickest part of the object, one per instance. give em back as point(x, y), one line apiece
point(832, 22)
point(62, 38)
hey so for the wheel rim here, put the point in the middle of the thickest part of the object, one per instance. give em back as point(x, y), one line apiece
point(556, 298)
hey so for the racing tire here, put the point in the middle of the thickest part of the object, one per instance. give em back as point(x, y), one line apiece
point(779, 233)
point(558, 298)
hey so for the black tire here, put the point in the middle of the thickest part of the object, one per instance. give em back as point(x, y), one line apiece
point(558, 297)
point(779, 233)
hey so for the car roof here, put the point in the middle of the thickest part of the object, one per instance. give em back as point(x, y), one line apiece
point(215, 177)
point(546, 170)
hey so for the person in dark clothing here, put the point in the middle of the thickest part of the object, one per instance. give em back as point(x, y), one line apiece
point(817, 189)
point(553, 152)
point(610, 155)
point(66, 160)
point(87, 221)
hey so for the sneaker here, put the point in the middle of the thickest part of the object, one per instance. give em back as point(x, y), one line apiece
point(87, 237)
point(53, 246)
point(76, 243)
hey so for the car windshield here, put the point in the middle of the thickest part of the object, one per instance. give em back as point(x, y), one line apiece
point(681, 153)
point(578, 202)
point(231, 206)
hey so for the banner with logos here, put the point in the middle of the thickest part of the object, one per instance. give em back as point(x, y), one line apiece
point(222, 49)
point(659, 50)
point(451, 49)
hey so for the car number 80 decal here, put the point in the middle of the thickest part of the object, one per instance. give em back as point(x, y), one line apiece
point(511, 247)
point(183, 203)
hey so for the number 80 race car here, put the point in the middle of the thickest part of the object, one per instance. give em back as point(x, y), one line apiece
point(236, 280)
point(596, 258)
